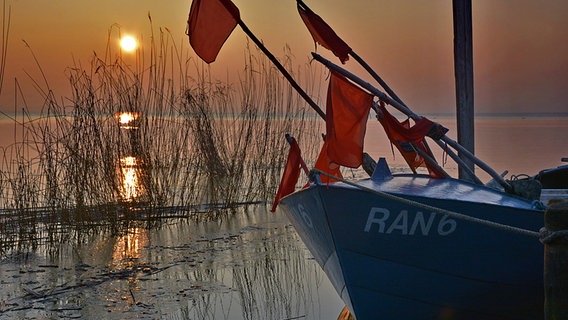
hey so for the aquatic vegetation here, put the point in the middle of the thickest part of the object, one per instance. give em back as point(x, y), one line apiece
point(193, 145)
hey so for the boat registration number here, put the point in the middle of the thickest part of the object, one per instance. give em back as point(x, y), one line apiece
point(382, 221)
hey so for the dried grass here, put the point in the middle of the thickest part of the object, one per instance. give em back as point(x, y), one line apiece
point(202, 146)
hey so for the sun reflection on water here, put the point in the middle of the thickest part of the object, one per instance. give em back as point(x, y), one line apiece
point(127, 255)
point(128, 120)
point(130, 181)
point(130, 245)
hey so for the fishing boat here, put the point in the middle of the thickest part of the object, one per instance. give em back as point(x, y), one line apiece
point(421, 245)
point(393, 252)
point(424, 245)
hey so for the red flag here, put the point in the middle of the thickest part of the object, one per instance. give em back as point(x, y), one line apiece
point(347, 111)
point(324, 164)
point(209, 25)
point(323, 34)
point(291, 173)
point(406, 138)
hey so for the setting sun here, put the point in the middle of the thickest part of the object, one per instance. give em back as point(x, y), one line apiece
point(128, 43)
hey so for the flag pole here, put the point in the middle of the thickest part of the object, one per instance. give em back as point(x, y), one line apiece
point(281, 68)
point(375, 76)
point(404, 109)
point(364, 64)
point(339, 47)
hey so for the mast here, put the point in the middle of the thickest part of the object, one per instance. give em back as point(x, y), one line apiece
point(463, 67)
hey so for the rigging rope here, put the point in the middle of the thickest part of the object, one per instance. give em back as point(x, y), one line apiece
point(547, 236)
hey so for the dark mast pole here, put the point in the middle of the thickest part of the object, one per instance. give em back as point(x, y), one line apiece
point(463, 66)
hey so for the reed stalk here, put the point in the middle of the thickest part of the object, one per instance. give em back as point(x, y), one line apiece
point(200, 145)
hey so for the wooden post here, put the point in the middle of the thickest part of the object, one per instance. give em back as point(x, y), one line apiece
point(463, 68)
point(556, 262)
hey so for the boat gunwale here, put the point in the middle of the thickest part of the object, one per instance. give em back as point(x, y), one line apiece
point(499, 198)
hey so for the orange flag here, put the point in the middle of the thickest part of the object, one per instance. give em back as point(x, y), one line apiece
point(323, 34)
point(347, 111)
point(209, 25)
point(324, 164)
point(406, 137)
point(291, 173)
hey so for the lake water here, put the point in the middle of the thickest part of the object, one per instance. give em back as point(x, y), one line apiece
point(250, 266)
point(520, 145)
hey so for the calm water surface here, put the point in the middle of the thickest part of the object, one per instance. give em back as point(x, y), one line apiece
point(252, 266)
point(519, 145)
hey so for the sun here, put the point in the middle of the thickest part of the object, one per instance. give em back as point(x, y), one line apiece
point(128, 43)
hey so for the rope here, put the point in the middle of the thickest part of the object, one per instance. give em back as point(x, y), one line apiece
point(448, 213)
point(547, 237)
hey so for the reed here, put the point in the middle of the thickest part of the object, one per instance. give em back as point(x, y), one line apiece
point(197, 147)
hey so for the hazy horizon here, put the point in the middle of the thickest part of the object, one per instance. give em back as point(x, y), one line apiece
point(11, 118)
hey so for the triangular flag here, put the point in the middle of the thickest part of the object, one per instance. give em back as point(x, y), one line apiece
point(209, 25)
point(291, 173)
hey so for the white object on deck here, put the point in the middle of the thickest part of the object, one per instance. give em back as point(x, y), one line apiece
point(550, 194)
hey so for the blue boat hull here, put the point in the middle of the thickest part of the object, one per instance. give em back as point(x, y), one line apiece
point(391, 260)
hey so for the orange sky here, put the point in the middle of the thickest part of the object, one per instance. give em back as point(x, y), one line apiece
point(521, 52)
